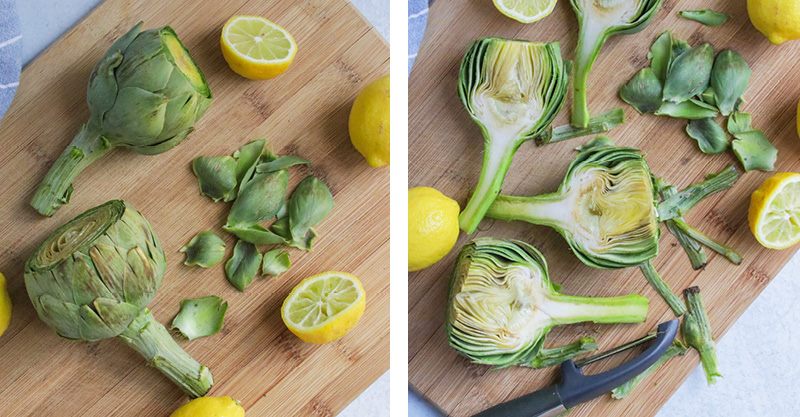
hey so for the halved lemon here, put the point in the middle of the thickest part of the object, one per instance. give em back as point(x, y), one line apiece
point(525, 11)
point(324, 307)
point(256, 48)
point(774, 214)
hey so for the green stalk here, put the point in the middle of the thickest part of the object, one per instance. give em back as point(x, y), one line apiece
point(661, 287)
point(698, 236)
point(569, 309)
point(677, 348)
point(693, 249)
point(56, 188)
point(679, 204)
point(496, 161)
point(152, 340)
point(697, 333)
point(540, 209)
point(585, 56)
point(599, 124)
point(554, 356)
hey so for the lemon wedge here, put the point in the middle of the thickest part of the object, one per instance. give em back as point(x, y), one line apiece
point(256, 48)
point(774, 214)
point(525, 11)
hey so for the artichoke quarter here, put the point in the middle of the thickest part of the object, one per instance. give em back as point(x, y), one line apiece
point(145, 94)
point(501, 304)
point(93, 278)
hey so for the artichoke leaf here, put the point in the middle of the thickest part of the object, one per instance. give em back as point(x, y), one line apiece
point(690, 109)
point(102, 80)
point(729, 78)
point(242, 267)
point(282, 162)
point(92, 327)
point(200, 317)
point(65, 316)
point(275, 262)
point(117, 315)
point(141, 279)
point(710, 136)
point(164, 146)
point(689, 74)
point(246, 158)
point(679, 46)
point(206, 249)
point(750, 145)
point(152, 75)
point(660, 55)
point(257, 235)
point(311, 202)
point(708, 96)
point(137, 114)
point(216, 176)
point(706, 17)
point(643, 91)
point(259, 198)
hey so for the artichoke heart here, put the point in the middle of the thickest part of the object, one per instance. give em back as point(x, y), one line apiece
point(502, 304)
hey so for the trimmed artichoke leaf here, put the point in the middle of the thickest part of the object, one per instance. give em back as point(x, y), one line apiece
point(246, 159)
point(281, 227)
point(679, 204)
point(660, 55)
point(694, 251)
point(679, 46)
point(548, 357)
point(259, 198)
point(696, 332)
point(729, 78)
point(311, 202)
point(599, 20)
point(200, 317)
point(690, 109)
point(708, 96)
point(750, 145)
point(662, 288)
point(598, 124)
point(643, 91)
point(206, 249)
point(710, 136)
point(689, 74)
point(256, 234)
point(707, 17)
point(502, 304)
point(513, 90)
point(275, 262)
point(282, 162)
point(242, 267)
point(216, 176)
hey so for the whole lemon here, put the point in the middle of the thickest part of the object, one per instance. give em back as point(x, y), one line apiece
point(778, 20)
point(210, 407)
point(5, 306)
point(369, 123)
point(432, 226)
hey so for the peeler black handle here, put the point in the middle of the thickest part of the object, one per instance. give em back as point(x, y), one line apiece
point(576, 388)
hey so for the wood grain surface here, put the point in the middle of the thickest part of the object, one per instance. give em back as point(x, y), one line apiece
point(303, 112)
point(445, 151)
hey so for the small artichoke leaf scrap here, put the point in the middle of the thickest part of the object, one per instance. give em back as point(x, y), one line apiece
point(501, 304)
point(729, 78)
point(599, 20)
point(257, 235)
point(513, 90)
point(259, 198)
point(311, 203)
point(750, 145)
point(660, 55)
point(206, 249)
point(710, 136)
point(706, 17)
point(246, 159)
point(93, 278)
point(691, 109)
point(216, 176)
point(281, 162)
point(696, 331)
point(242, 268)
point(275, 262)
point(200, 317)
point(146, 93)
point(689, 74)
point(643, 91)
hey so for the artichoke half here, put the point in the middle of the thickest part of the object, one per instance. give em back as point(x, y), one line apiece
point(145, 94)
point(501, 304)
point(599, 20)
point(513, 90)
point(93, 278)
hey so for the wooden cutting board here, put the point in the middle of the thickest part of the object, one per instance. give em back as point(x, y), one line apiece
point(445, 151)
point(303, 112)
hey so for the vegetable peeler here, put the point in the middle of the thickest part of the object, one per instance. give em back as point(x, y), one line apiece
point(576, 388)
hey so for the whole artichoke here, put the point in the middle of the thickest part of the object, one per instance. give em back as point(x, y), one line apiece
point(145, 94)
point(93, 278)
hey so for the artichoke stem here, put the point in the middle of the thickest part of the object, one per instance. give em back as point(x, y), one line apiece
point(541, 209)
point(679, 204)
point(700, 237)
point(600, 124)
point(661, 287)
point(554, 356)
point(56, 187)
point(585, 55)
point(570, 309)
point(152, 340)
point(496, 161)
point(693, 249)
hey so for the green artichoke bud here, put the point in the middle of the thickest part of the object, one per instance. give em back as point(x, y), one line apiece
point(708, 134)
point(689, 74)
point(697, 333)
point(729, 78)
point(707, 17)
point(501, 304)
point(205, 249)
point(599, 20)
point(93, 278)
point(145, 94)
point(513, 90)
point(643, 91)
point(216, 176)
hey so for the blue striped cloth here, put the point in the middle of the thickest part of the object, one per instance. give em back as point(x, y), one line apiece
point(417, 19)
point(10, 53)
